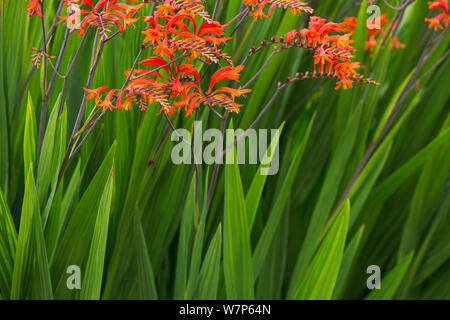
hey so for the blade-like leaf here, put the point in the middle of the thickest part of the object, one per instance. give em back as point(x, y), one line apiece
point(145, 278)
point(236, 243)
point(92, 282)
point(81, 227)
point(185, 242)
point(347, 262)
point(29, 138)
point(253, 196)
point(210, 271)
point(392, 281)
point(277, 210)
point(8, 244)
point(31, 276)
point(46, 156)
point(320, 278)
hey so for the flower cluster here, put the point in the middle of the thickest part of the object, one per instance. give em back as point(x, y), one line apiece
point(257, 7)
point(443, 17)
point(170, 33)
point(194, 7)
point(37, 57)
point(333, 50)
point(104, 15)
point(173, 79)
point(372, 35)
point(183, 37)
point(34, 7)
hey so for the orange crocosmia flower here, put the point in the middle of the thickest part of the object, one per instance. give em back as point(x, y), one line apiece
point(177, 88)
point(370, 44)
point(157, 62)
point(443, 17)
point(232, 92)
point(347, 67)
point(225, 73)
point(209, 32)
point(259, 12)
point(340, 41)
point(177, 33)
point(318, 29)
point(34, 7)
point(288, 37)
point(223, 96)
point(434, 23)
point(143, 91)
point(212, 32)
point(68, 3)
point(104, 15)
point(192, 7)
point(440, 4)
point(188, 69)
point(95, 93)
point(397, 44)
point(105, 103)
point(167, 8)
point(333, 52)
point(344, 82)
point(321, 57)
point(344, 71)
point(257, 7)
point(163, 48)
point(349, 24)
point(152, 35)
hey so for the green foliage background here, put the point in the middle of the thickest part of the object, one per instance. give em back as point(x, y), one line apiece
point(136, 231)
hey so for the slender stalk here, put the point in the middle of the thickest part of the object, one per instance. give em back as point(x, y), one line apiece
point(45, 47)
point(69, 70)
point(91, 128)
point(197, 171)
point(96, 121)
point(304, 101)
point(77, 125)
point(58, 62)
point(404, 5)
point(433, 67)
point(239, 24)
point(215, 173)
point(175, 130)
point(33, 68)
point(257, 74)
point(43, 116)
point(48, 92)
point(238, 16)
point(215, 112)
point(88, 85)
point(260, 115)
point(216, 10)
